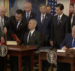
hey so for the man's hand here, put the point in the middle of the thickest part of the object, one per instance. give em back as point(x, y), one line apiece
point(2, 39)
point(5, 30)
point(64, 48)
point(51, 43)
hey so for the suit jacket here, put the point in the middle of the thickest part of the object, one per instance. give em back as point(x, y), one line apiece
point(5, 20)
point(32, 16)
point(35, 39)
point(73, 19)
point(12, 27)
point(58, 31)
point(45, 27)
point(67, 41)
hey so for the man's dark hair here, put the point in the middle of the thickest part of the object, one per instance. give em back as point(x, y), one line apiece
point(19, 11)
point(42, 5)
point(61, 6)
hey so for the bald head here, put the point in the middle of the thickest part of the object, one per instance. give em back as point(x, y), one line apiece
point(27, 6)
point(32, 24)
point(2, 11)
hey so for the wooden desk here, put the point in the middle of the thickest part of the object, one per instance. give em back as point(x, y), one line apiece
point(64, 58)
point(61, 57)
point(43, 56)
point(22, 51)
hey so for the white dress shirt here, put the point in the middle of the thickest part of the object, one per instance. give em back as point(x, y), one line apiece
point(42, 17)
point(60, 16)
point(18, 23)
point(2, 20)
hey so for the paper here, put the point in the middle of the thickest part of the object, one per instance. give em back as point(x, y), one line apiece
point(11, 42)
point(60, 50)
point(46, 50)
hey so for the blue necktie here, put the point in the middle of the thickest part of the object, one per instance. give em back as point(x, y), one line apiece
point(58, 20)
point(73, 44)
point(27, 16)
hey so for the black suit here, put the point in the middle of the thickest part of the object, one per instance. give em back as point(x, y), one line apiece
point(58, 31)
point(5, 20)
point(45, 27)
point(35, 39)
point(12, 27)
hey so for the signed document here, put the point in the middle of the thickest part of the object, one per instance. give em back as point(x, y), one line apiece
point(60, 50)
point(11, 42)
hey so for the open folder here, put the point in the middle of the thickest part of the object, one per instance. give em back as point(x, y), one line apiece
point(11, 43)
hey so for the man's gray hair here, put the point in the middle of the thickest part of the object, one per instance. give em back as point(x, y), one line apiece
point(35, 21)
point(73, 28)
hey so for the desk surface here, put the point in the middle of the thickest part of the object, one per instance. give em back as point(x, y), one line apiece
point(21, 48)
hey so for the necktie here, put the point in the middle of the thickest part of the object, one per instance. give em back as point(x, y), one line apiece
point(29, 37)
point(73, 44)
point(43, 17)
point(58, 20)
point(18, 23)
point(27, 16)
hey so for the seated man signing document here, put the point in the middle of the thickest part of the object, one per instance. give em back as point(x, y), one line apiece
point(69, 41)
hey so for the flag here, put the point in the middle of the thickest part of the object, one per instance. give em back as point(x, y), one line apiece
point(52, 3)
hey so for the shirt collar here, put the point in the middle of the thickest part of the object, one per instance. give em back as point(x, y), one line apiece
point(28, 13)
point(43, 15)
point(60, 15)
point(32, 31)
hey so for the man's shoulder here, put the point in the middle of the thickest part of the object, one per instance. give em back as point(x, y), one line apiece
point(65, 16)
point(37, 32)
point(68, 36)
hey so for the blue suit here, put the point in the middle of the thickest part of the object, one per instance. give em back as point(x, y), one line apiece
point(45, 27)
point(67, 41)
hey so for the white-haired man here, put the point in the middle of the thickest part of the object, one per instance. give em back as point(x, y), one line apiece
point(3, 31)
point(28, 14)
point(69, 41)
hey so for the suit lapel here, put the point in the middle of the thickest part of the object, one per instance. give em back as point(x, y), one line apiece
point(61, 21)
point(33, 35)
point(20, 25)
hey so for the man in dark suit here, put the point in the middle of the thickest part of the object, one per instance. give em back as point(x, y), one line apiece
point(72, 16)
point(3, 31)
point(44, 24)
point(60, 27)
point(71, 8)
point(28, 14)
point(16, 26)
point(32, 38)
